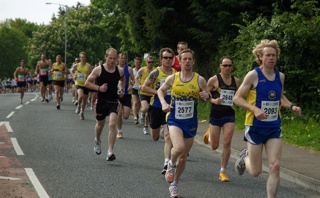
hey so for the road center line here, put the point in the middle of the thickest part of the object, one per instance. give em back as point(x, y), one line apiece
point(36, 183)
point(19, 107)
point(10, 114)
point(16, 146)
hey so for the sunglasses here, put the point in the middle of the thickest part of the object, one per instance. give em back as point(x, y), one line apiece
point(226, 65)
point(167, 57)
point(150, 62)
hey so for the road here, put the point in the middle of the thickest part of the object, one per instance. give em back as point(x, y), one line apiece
point(58, 147)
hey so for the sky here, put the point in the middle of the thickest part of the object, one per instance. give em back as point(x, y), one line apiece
point(36, 11)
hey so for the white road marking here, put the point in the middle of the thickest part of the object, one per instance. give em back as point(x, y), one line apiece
point(19, 107)
point(6, 123)
point(36, 183)
point(34, 99)
point(9, 178)
point(10, 114)
point(16, 146)
point(27, 102)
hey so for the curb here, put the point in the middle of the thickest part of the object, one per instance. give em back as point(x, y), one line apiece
point(286, 174)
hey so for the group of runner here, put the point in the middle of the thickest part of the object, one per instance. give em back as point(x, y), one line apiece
point(9, 85)
point(167, 97)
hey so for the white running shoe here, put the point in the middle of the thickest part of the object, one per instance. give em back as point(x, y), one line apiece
point(173, 190)
point(97, 147)
point(240, 166)
point(81, 115)
point(145, 130)
point(78, 109)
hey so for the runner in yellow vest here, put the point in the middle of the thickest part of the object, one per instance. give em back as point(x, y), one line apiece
point(58, 71)
point(80, 72)
point(141, 76)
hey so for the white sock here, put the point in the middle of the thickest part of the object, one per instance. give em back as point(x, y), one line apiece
point(174, 183)
point(222, 170)
point(172, 164)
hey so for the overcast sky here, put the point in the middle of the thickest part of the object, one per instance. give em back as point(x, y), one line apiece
point(36, 11)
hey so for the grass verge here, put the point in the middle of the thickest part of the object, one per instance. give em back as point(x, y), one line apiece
point(299, 131)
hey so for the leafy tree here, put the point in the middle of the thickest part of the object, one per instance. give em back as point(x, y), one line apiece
point(12, 49)
point(84, 33)
point(298, 39)
point(26, 27)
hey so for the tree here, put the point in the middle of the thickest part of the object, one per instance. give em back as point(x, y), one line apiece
point(84, 33)
point(298, 39)
point(12, 49)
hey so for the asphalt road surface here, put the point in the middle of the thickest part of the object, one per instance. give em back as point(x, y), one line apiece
point(58, 147)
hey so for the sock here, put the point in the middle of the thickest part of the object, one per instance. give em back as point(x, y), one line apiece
point(110, 151)
point(166, 161)
point(119, 130)
point(172, 164)
point(174, 183)
point(222, 170)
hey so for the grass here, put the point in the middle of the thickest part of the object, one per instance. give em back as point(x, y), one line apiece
point(300, 131)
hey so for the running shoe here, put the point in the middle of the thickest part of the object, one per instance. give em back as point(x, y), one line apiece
point(145, 130)
point(243, 152)
point(81, 115)
point(58, 107)
point(240, 166)
point(142, 119)
point(77, 109)
point(47, 100)
point(111, 157)
point(206, 136)
point(76, 103)
point(223, 177)
point(136, 121)
point(97, 147)
point(170, 173)
point(42, 100)
point(119, 135)
point(164, 170)
point(173, 190)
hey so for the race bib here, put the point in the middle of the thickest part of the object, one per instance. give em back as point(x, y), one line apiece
point(20, 78)
point(43, 72)
point(58, 75)
point(82, 76)
point(271, 108)
point(227, 96)
point(184, 109)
